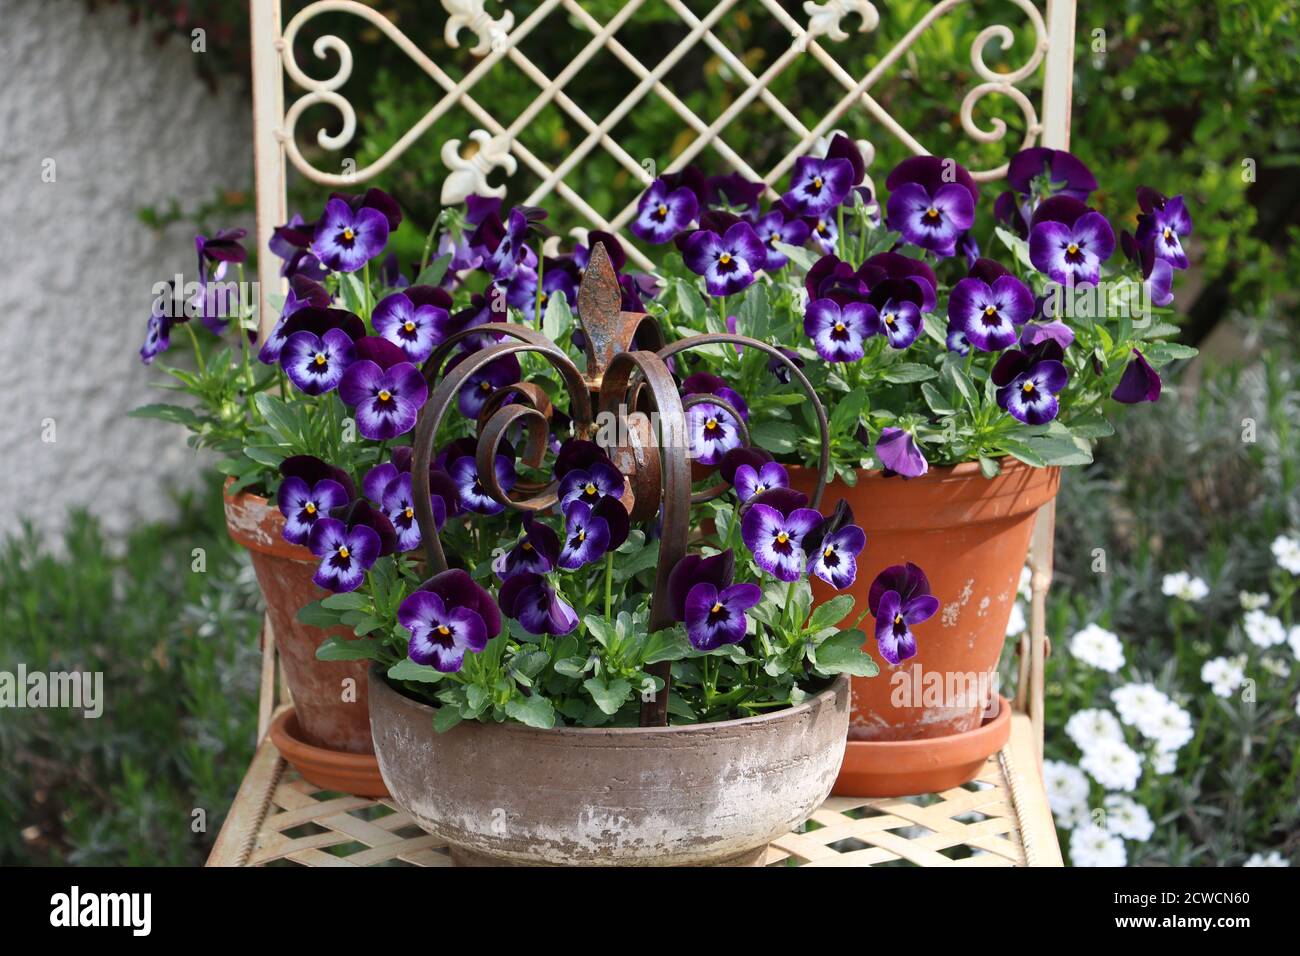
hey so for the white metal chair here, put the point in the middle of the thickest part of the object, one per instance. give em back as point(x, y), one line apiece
point(1015, 825)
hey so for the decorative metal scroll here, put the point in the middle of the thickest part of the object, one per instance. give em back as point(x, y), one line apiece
point(619, 381)
point(498, 153)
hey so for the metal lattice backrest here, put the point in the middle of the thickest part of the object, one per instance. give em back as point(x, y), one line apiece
point(498, 154)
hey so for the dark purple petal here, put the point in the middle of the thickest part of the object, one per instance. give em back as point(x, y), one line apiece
point(693, 569)
point(1140, 382)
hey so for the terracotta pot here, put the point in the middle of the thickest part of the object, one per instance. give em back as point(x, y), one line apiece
point(336, 770)
point(630, 796)
point(330, 714)
point(971, 536)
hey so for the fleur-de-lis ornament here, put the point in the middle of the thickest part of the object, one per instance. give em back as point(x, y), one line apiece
point(628, 389)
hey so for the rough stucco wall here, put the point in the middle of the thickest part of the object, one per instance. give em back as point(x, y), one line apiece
point(128, 124)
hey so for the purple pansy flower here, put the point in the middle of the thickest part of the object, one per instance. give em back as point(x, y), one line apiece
point(1035, 333)
point(586, 536)
point(1157, 273)
point(1162, 225)
point(989, 305)
point(704, 383)
point(824, 231)
point(473, 496)
point(1068, 241)
point(386, 390)
point(478, 388)
point(512, 248)
point(749, 482)
point(346, 553)
point(157, 336)
point(303, 293)
point(818, 185)
point(412, 328)
point(897, 451)
point(779, 370)
point(441, 635)
point(1039, 173)
point(458, 589)
point(774, 228)
point(716, 617)
point(931, 202)
point(898, 320)
point(774, 527)
point(1028, 382)
point(590, 484)
point(1140, 382)
point(531, 600)
point(885, 270)
point(693, 569)
point(661, 214)
point(836, 546)
point(537, 552)
point(346, 239)
point(900, 598)
point(398, 504)
point(727, 262)
point(840, 333)
point(712, 432)
point(316, 363)
point(303, 505)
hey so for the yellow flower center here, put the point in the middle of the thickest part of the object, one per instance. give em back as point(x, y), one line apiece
point(444, 630)
point(990, 310)
point(711, 424)
point(485, 387)
point(527, 546)
point(716, 608)
point(932, 213)
point(582, 534)
point(1027, 388)
point(759, 489)
point(663, 210)
point(821, 227)
point(311, 508)
point(1072, 248)
point(889, 318)
point(409, 513)
point(839, 326)
point(828, 552)
point(385, 394)
point(1168, 233)
point(898, 619)
point(782, 538)
point(320, 358)
point(408, 325)
point(774, 238)
point(344, 552)
point(590, 488)
point(817, 182)
point(725, 258)
point(348, 234)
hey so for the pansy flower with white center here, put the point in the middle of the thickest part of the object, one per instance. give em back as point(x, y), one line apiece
point(1068, 242)
point(157, 338)
point(662, 213)
point(899, 599)
point(469, 486)
point(398, 504)
point(899, 321)
point(692, 569)
point(346, 554)
point(412, 327)
point(989, 306)
point(775, 229)
point(346, 239)
point(586, 536)
point(590, 484)
point(749, 482)
point(303, 505)
point(1028, 382)
point(839, 333)
point(774, 527)
point(1162, 225)
point(702, 383)
point(836, 560)
point(818, 185)
point(729, 261)
point(824, 231)
point(716, 617)
point(386, 390)
point(532, 600)
point(319, 347)
point(303, 293)
point(711, 431)
point(537, 552)
point(478, 388)
point(931, 202)
point(440, 635)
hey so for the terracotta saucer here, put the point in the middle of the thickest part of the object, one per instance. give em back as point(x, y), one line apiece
point(328, 769)
point(899, 768)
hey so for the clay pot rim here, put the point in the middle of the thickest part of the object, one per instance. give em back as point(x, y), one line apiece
point(311, 760)
point(824, 698)
point(250, 495)
point(940, 473)
point(921, 754)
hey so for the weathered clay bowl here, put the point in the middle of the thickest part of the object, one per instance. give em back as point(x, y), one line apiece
point(635, 796)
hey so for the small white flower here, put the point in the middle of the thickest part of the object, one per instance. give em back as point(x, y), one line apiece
point(1253, 602)
point(1223, 674)
point(1168, 725)
point(1271, 858)
point(1264, 630)
point(1127, 818)
point(1185, 586)
point(1276, 666)
point(1164, 762)
point(1098, 648)
point(1113, 764)
point(1293, 638)
point(1092, 846)
point(1067, 789)
point(1072, 817)
point(1023, 588)
point(1086, 727)
point(1286, 551)
point(1133, 700)
point(1016, 624)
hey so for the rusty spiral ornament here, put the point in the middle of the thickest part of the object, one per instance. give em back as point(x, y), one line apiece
point(631, 387)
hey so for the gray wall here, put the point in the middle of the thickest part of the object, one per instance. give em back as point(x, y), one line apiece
point(128, 124)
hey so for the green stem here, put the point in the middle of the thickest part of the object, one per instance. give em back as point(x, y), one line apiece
point(541, 271)
point(198, 352)
point(365, 292)
point(428, 248)
point(789, 606)
point(841, 240)
point(609, 584)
